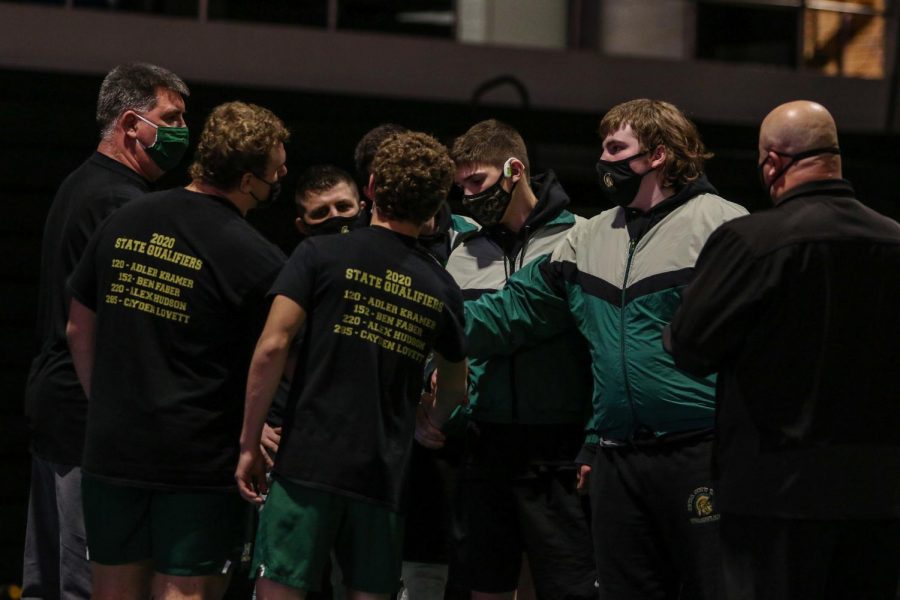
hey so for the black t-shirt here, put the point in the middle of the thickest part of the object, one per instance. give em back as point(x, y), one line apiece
point(376, 305)
point(54, 401)
point(178, 281)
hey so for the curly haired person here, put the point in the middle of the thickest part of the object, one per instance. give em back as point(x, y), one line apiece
point(374, 304)
point(167, 303)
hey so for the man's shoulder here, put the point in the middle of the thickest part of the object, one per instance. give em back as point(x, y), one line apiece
point(93, 184)
point(716, 205)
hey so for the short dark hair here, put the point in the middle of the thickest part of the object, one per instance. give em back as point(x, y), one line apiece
point(237, 138)
point(133, 87)
point(413, 173)
point(320, 178)
point(490, 142)
point(368, 146)
point(657, 123)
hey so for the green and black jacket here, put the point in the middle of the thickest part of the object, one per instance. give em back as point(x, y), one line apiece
point(620, 275)
point(544, 384)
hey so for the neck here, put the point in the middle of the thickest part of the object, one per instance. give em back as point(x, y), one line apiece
point(397, 226)
point(800, 176)
point(520, 207)
point(234, 196)
point(651, 193)
point(115, 149)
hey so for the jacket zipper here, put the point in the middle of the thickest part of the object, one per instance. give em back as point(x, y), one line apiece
point(632, 244)
point(514, 405)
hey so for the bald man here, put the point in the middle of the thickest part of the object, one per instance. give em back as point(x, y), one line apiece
point(798, 310)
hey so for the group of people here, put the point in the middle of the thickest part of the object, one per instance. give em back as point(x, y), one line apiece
point(670, 400)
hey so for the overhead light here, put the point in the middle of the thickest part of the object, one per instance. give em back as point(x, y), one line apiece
point(428, 17)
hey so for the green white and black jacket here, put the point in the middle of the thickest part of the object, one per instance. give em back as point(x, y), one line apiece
point(620, 275)
point(543, 384)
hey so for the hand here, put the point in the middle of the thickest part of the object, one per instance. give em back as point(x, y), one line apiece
point(427, 433)
point(271, 437)
point(434, 380)
point(251, 475)
point(584, 479)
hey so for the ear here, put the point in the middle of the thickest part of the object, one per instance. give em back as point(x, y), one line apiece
point(370, 188)
point(658, 157)
point(301, 226)
point(775, 162)
point(244, 185)
point(516, 170)
point(128, 121)
point(362, 206)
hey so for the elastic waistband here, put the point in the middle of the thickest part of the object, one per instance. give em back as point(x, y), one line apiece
point(642, 440)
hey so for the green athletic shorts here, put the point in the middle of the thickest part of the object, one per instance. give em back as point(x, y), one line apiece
point(300, 526)
point(186, 534)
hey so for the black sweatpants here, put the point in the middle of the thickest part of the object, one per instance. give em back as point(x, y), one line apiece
point(655, 526)
point(517, 494)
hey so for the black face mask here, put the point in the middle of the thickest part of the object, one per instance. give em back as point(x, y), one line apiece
point(333, 225)
point(794, 158)
point(489, 206)
point(274, 191)
point(619, 183)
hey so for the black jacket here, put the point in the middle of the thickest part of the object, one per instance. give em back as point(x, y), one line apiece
point(798, 309)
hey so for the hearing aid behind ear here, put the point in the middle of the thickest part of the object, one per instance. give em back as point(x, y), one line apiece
point(507, 167)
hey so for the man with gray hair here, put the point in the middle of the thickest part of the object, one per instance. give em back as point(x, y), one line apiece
point(140, 114)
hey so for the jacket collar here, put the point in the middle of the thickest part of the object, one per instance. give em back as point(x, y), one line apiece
point(831, 187)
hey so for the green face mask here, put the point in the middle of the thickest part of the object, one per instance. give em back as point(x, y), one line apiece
point(169, 146)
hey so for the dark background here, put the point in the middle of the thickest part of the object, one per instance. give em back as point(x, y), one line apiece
point(48, 129)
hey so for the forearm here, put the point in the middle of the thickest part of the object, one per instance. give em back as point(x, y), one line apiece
point(450, 391)
point(81, 333)
point(266, 368)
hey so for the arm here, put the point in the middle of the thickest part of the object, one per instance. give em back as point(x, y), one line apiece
point(266, 368)
point(271, 433)
point(531, 307)
point(80, 331)
point(437, 406)
point(718, 306)
point(452, 389)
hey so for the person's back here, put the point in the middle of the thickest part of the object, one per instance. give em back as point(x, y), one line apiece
point(795, 307)
point(376, 305)
point(813, 387)
point(166, 304)
point(380, 303)
point(166, 410)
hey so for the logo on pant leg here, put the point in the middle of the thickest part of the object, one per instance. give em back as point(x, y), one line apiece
point(701, 506)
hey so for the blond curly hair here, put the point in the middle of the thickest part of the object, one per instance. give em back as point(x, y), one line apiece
point(237, 138)
point(413, 173)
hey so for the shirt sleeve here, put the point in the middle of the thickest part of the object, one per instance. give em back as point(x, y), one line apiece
point(83, 282)
point(451, 340)
point(719, 306)
point(298, 277)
